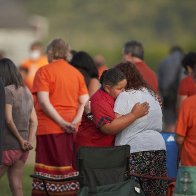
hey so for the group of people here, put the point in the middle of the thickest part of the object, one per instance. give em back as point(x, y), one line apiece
point(72, 103)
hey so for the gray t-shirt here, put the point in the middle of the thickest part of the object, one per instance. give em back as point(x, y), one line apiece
point(22, 103)
point(143, 134)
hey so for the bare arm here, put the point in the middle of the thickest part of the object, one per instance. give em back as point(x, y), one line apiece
point(32, 125)
point(82, 101)
point(12, 127)
point(94, 85)
point(50, 111)
point(118, 124)
point(179, 141)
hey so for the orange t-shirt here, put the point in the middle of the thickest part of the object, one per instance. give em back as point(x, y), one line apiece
point(187, 86)
point(65, 84)
point(186, 127)
point(32, 67)
point(148, 75)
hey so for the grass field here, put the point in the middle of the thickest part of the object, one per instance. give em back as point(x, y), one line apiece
point(4, 187)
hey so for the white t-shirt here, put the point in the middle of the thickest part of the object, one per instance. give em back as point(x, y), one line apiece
point(143, 134)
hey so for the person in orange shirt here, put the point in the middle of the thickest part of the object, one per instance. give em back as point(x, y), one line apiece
point(100, 64)
point(133, 52)
point(29, 67)
point(61, 94)
point(186, 127)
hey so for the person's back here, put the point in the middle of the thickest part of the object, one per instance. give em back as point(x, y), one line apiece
point(148, 74)
point(133, 52)
point(61, 95)
point(147, 144)
point(22, 103)
point(186, 127)
point(20, 125)
point(64, 91)
point(169, 74)
point(187, 87)
point(143, 134)
point(36, 60)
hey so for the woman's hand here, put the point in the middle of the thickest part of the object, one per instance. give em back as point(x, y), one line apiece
point(140, 109)
point(26, 145)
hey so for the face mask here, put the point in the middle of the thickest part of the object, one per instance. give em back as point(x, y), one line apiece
point(34, 54)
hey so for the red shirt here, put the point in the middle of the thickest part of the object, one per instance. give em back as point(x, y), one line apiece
point(89, 133)
point(148, 75)
point(187, 86)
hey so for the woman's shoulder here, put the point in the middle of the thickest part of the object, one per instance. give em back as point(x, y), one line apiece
point(10, 88)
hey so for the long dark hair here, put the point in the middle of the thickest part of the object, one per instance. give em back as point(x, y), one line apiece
point(134, 79)
point(9, 74)
point(2, 116)
point(190, 60)
point(83, 61)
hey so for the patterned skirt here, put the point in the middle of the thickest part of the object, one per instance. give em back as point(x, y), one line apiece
point(54, 154)
point(151, 163)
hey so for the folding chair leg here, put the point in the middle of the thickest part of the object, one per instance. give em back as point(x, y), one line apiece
point(45, 187)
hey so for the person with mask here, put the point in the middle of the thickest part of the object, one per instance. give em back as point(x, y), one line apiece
point(29, 67)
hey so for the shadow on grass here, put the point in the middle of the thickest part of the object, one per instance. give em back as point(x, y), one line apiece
point(27, 181)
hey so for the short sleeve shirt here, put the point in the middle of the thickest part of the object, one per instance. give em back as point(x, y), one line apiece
point(89, 133)
point(187, 87)
point(65, 84)
point(32, 67)
point(148, 75)
point(143, 134)
point(186, 127)
point(22, 103)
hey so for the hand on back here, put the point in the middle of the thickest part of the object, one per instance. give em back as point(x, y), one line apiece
point(140, 109)
point(26, 145)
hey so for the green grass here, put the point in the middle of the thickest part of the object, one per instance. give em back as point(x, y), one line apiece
point(27, 181)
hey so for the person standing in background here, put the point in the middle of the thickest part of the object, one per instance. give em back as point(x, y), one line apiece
point(169, 74)
point(85, 64)
point(61, 94)
point(29, 67)
point(186, 123)
point(133, 52)
point(20, 127)
point(100, 64)
point(187, 85)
